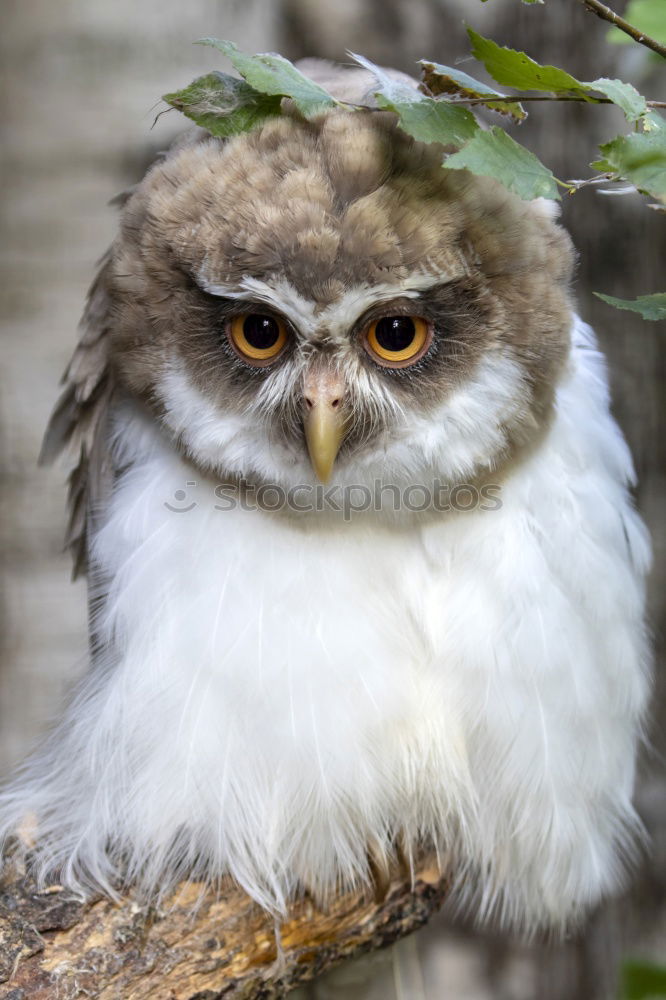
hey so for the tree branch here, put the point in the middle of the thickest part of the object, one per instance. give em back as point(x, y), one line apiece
point(519, 99)
point(200, 944)
point(606, 14)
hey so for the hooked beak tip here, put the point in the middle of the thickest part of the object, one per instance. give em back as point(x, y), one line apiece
point(324, 419)
point(324, 433)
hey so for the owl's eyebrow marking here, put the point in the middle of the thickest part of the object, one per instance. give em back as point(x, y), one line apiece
point(307, 315)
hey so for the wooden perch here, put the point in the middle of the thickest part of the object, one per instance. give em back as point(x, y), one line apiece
point(200, 945)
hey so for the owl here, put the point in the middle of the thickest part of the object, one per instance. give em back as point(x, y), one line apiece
point(365, 576)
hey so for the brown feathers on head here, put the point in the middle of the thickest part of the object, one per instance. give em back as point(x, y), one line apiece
point(347, 202)
point(312, 217)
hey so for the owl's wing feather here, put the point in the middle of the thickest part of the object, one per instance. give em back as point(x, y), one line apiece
point(79, 418)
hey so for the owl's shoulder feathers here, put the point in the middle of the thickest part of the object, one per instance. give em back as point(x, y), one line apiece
point(80, 416)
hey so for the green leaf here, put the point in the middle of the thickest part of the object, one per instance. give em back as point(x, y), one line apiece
point(624, 95)
point(424, 118)
point(648, 16)
point(650, 307)
point(643, 980)
point(270, 73)
point(223, 104)
point(653, 122)
point(446, 80)
point(428, 120)
point(495, 154)
point(515, 69)
point(639, 158)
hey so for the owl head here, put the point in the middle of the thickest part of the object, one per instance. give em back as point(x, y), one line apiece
point(322, 300)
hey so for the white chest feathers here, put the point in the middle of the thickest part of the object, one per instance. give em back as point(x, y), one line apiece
point(277, 692)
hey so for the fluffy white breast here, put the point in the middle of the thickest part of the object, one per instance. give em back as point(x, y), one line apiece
point(279, 690)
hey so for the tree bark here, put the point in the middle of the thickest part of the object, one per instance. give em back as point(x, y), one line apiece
point(198, 945)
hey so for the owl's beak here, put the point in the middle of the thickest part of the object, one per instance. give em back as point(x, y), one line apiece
point(324, 420)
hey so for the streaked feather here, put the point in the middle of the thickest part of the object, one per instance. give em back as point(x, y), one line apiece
point(79, 419)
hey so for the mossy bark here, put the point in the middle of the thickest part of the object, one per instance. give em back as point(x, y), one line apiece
point(199, 945)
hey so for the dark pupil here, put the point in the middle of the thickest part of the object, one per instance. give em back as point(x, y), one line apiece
point(261, 331)
point(395, 333)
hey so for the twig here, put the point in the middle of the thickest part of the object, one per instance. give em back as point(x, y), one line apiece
point(576, 185)
point(604, 12)
point(517, 99)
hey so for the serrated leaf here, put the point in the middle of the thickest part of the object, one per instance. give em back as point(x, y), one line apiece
point(516, 69)
point(453, 82)
point(624, 95)
point(270, 73)
point(495, 154)
point(428, 120)
point(649, 306)
point(648, 16)
point(639, 158)
point(223, 104)
point(425, 119)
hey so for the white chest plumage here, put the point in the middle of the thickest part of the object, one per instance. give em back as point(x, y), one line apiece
point(283, 690)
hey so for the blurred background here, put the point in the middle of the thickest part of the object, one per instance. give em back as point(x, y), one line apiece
point(81, 84)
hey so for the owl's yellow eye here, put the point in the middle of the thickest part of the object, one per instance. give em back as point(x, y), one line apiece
point(398, 341)
point(258, 338)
